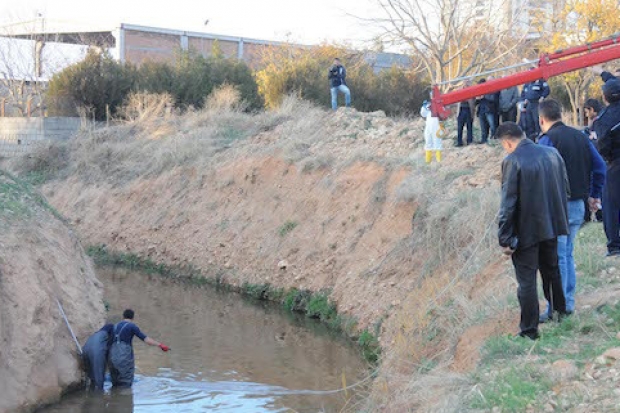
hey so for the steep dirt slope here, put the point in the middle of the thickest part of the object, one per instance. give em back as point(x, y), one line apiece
point(41, 260)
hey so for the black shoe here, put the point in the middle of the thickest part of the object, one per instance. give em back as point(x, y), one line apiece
point(562, 316)
point(612, 253)
point(458, 145)
point(531, 336)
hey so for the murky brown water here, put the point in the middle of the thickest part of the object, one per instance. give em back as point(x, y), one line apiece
point(227, 355)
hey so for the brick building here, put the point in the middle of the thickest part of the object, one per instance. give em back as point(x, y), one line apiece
point(136, 44)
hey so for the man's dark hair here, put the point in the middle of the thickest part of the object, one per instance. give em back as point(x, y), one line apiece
point(611, 90)
point(128, 314)
point(483, 80)
point(550, 109)
point(337, 58)
point(509, 130)
point(594, 104)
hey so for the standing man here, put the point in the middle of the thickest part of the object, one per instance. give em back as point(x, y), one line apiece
point(607, 129)
point(95, 355)
point(466, 119)
point(508, 99)
point(487, 107)
point(121, 357)
point(337, 79)
point(533, 93)
point(586, 176)
point(532, 215)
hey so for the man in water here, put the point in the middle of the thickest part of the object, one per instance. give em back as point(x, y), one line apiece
point(121, 357)
point(95, 355)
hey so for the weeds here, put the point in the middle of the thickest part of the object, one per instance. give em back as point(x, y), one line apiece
point(514, 389)
point(287, 227)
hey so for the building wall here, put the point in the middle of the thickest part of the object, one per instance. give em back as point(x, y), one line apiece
point(141, 46)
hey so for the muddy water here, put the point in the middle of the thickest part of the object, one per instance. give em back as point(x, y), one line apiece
point(227, 355)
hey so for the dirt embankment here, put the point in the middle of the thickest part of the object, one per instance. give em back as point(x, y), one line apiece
point(301, 198)
point(330, 197)
point(41, 260)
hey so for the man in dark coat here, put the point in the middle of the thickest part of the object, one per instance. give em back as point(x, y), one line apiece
point(95, 355)
point(337, 77)
point(532, 215)
point(586, 176)
point(607, 130)
point(533, 93)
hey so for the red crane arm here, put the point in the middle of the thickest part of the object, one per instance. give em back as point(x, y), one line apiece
point(549, 65)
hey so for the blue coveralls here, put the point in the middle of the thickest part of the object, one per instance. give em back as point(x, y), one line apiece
point(533, 92)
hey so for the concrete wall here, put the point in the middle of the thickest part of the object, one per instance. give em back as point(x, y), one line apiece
point(21, 135)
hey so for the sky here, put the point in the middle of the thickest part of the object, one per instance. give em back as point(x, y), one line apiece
point(301, 21)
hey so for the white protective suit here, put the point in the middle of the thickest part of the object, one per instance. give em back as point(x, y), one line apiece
point(432, 142)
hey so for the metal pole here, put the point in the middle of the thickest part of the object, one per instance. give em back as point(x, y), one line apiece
point(77, 343)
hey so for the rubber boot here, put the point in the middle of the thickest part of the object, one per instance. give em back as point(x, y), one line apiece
point(438, 156)
point(429, 156)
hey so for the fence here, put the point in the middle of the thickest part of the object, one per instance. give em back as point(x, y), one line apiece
point(21, 135)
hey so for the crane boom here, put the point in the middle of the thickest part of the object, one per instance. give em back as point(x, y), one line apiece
point(549, 65)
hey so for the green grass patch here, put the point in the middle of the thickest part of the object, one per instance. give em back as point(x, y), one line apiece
point(369, 343)
point(589, 255)
point(512, 389)
point(18, 198)
point(287, 227)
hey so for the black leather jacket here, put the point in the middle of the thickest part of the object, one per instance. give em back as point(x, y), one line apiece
point(534, 196)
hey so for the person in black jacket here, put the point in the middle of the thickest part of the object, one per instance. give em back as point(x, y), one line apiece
point(606, 129)
point(95, 355)
point(487, 110)
point(338, 82)
point(586, 176)
point(531, 217)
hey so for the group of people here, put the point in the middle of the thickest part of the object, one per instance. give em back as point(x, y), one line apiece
point(546, 188)
point(112, 347)
point(494, 109)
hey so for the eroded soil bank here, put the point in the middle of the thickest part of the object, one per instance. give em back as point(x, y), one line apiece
point(41, 261)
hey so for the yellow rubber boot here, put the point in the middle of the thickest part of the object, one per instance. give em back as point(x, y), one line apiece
point(429, 156)
point(438, 156)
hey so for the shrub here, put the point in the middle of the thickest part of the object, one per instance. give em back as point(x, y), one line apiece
point(396, 91)
point(96, 83)
point(99, 83)
point(192, 77)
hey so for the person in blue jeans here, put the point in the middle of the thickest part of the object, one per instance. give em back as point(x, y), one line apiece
point(487, 108)
point(338, 81)
point(586, 175)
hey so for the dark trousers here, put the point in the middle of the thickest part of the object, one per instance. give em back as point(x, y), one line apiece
point(487, 124)
point(611, 207)
point(509, 115)
point(527, 261)
point(532, 127)
point(464, 119)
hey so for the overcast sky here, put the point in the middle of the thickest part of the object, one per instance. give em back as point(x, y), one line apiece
point(304, 21)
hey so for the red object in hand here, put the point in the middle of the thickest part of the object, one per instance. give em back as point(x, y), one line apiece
point(164, 347)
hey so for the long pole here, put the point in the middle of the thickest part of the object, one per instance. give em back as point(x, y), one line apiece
point(77, 343)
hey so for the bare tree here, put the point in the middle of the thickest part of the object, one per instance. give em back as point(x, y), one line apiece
point(453, 38)
point(21, 88)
